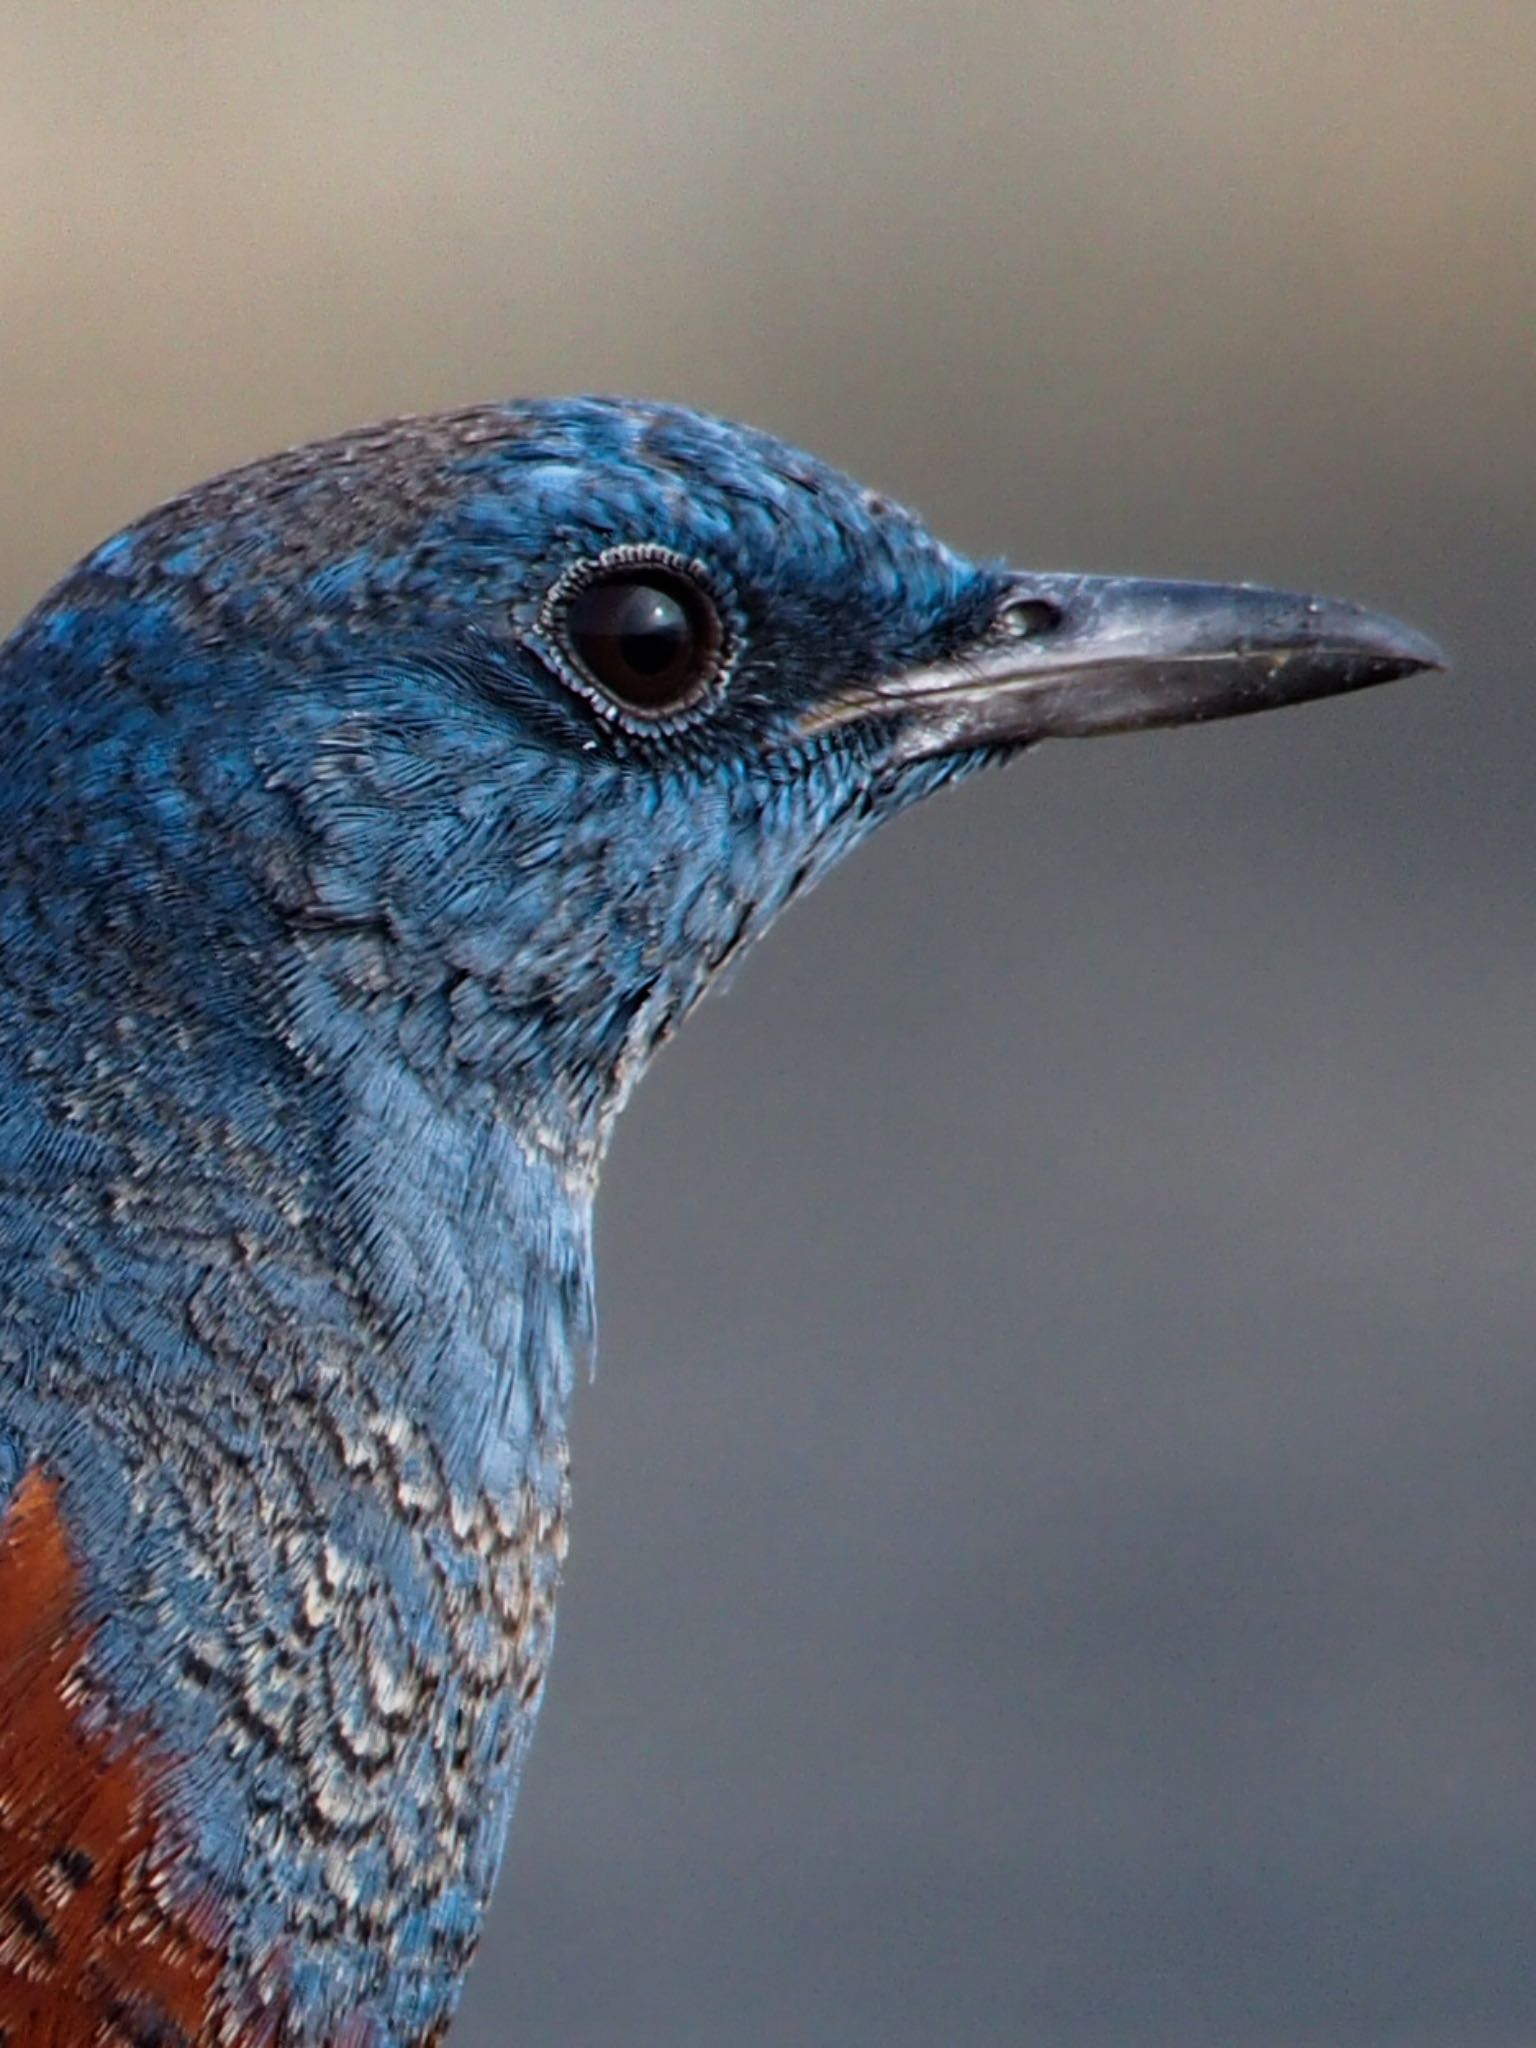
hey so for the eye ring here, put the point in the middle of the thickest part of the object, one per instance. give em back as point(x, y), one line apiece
point(642, 633)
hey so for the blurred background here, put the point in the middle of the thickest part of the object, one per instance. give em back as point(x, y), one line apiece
point(1054, 1544)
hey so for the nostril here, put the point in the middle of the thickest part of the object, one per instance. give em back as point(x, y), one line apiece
point(1028, 618)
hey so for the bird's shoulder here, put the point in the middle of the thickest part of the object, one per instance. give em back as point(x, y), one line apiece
point(99, 1944)
point(110, 1935)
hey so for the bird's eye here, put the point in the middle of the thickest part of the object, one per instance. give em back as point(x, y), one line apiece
point(646, 635)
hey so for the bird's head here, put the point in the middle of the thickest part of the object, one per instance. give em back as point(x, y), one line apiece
point(524, 719)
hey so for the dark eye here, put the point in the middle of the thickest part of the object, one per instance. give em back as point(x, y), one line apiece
point(646, 635)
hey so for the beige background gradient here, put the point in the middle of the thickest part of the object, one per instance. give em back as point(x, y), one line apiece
point(1053, 1554)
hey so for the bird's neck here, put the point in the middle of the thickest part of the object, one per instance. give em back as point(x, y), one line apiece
point(465, 1233)
point(233, 1135)
point(316, 1309)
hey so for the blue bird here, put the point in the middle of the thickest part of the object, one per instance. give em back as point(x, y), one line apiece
point(377, 810)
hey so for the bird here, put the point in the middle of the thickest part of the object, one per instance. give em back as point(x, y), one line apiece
point(378, 809)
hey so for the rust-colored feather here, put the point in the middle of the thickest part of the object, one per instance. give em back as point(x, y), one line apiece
point(96, 1948)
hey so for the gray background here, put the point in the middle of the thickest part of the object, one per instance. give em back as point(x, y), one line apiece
point(1053, 1548)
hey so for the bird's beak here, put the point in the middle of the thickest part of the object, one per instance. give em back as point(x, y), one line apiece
point(1070, 656)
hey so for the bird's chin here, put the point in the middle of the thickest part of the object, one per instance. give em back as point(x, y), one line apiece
point(1072, 656)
